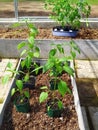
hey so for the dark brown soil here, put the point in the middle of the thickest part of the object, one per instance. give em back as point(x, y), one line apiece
point(22, 33)
point(38, 119)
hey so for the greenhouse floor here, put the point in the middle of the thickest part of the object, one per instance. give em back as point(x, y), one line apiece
point(3, 67)
point(87, 84)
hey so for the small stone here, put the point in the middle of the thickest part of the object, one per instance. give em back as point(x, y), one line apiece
point(70, 107)
point(55, 29)
point(61, 118)
point(70, 31)
point(61, 30)
point(28, 115)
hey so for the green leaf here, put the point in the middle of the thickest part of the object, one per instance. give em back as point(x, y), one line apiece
point(30, 25)
point(13, 71)
point(21, 45)
point(74, 46)
point(33, 31)
point(62, 87)
point(19, 84)
point(26, 78)
point(60, 104)
point(73, 54)
point(60, 48)
point(47, 66)
point(63, 59)
point(31, 39)
point(31, 45)
point(52, 52)
point(44, 87)
point(16, 25)
point(26, 93)
point(36, 54)
point(9, 65)
point(43, 97)
point(30, 54)
point(69, 70)
point(28, 61)
point(37, 49)
point(23, 52)
point(23, 63)
point(37, 68)
point(5, 79)
point(13, 91)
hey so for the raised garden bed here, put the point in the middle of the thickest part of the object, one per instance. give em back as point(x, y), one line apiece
point(38, 119)
point(86, 39)
point(45, 45)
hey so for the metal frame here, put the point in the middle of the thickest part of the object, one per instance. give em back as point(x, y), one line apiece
point(16, 8)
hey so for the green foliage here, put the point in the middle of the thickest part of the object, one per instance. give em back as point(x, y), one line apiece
point(66, 13)
point(60, 104)
point(43, 97)
point(68, 69)
point(29, 52)
point(29, 48)
point(63, 88)
point(19, 84)
point(5, 79)
point(56, 65)
point(19, 88)
point(26, 93)
point(9, 68)
point(26, 77)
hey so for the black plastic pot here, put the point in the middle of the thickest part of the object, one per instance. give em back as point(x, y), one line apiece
point(53, 86)
point(23, 107)
point(30, 84)
point(65, 31)
point(39, 71)
point(25, 70)
point(53, 112)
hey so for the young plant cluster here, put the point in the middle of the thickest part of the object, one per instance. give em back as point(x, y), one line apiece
point(57, 63)
point(29, 52)
point(67, 13)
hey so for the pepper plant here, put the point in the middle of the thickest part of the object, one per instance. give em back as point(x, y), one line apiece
point(67, 13)
point(58, 62)
point(19, 88)
point(30, 50)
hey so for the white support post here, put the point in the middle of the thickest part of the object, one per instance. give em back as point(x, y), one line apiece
point(16, 8)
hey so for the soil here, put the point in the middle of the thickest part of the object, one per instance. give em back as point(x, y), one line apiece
point(38, 119)
point(22, 33)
